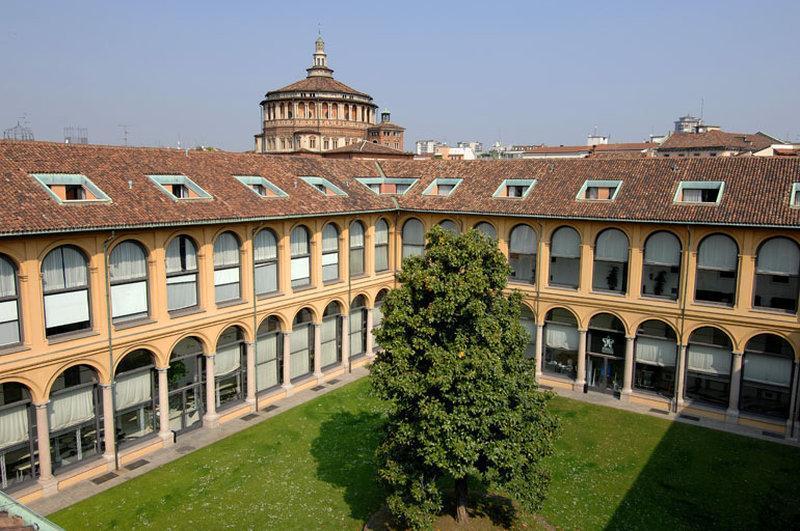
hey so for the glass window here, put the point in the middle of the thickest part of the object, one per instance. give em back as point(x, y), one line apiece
point(381, 245)
point(73, 415)
point(134, 397)
point(610, 271)
point(65, 280)
point(717, 266)
point(655, 356)
point(708, 367)
point(302, 344)
point(767, 375)
point(487, 229)
point(413, 238)
point(331, 335)
point(528, 322)
point(330, 253)
point(18, 459)
point(565, 258)
point(661, 271)
point(301, 257)
point(269, 354)
point(186, 385)
point(522, 254)
point(181, 273)
point(605, 353)
point(265, 253)
point(356, 248)
point(561, 343)
point(227, 285)
point(358, 327)
point(450, 225)
point(128, 278)
point(9, 303)
point(777, 275)
point(230, 367)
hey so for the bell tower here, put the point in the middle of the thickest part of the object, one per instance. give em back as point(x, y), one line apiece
point(320, 66)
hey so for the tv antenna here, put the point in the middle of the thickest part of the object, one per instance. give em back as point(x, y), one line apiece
point(125, 131)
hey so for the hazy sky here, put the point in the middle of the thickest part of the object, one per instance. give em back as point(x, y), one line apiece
point(524, 72)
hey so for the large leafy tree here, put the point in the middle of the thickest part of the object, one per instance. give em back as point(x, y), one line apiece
point(463, 401)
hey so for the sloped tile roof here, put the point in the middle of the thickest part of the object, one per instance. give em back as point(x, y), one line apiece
point(718, 139)
point(319, 84)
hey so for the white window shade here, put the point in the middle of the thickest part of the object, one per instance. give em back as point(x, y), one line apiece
point(227, 359)
point(561, 336)
point(226, 250)
point(265, 245)
point(66, 308)
point(708, 359)
point(70, 408)
point(356, 235)
point(182, 291)
point(129, 299)
point(565, 243)
point(662, 248)
point(328, 340)
point(226, 276)
point(413, 233)
point(13, 425)
point(779, 256)
point(266, 278)
point(299, 241)
point(770, 370)
point(653, 351)
point(132, 389)
point(718, 252)
point(381, 233)
point(611, 246)
point(8, 311)
point(330, 238)
point(127, 262)
point(377, 315)
point(8, 280)
point(523, 240)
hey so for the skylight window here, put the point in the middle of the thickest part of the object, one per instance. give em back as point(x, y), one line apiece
point(387, 185)
point(515, 188)
point(699, 192)
point(70, 188)
point(179, 187)
point(442, 187)
point(594, 190)
point(323, 186)
point(794, 200)
point(261, 186)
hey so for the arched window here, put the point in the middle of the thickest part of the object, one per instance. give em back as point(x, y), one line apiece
point(74, 419)
point(186, 385)
point(9, 303)
point(128, 277)
point(331, 335)
point(135, 397)
point(450, 225)
point(487, 229)
point(661, 272)
point(381, 245)
point(777, 275)
point(767, 373)
point(330, 253)
point(230, 367)
point(265, 252)
point(325, 113)
point(605, 360)
point(561, 343)
point(226, 268)
point(708, 366)
point(302, 342)
point(565, 258)
point(301, 110)
point(181, 273)
point(346, 112)
point(717, 265)
point(269, 355)
point(290, 110)
point(377, 311)
point(65, 280)
point(335, 111)
point(301, 257)
point(655, 358)
point(413, 238)
point(358, 327)
point(356, 248)
point(528, 322)
point(522, 254)
point(610, 262)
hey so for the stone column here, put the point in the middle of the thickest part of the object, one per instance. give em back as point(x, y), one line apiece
point(250, 351)
point(110, 434)
point(680, 376)
point(164, 430)
point(370, 341)
point(287, 360)
point(627, 378)
point(580, 380)
point(211, 419)
point(732, 415)
point(317, 350)
point(48, 483)
point(539, 349)
point(346, 341)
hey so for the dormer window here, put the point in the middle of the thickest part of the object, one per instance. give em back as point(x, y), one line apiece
point(442, 187)
point(593, 190)
point(515, 188)
point(323, 186)
point(387, 185)
point(699, 192)
point(179, 187)
point(70, 187)
point(794, 199)
point(260, 186)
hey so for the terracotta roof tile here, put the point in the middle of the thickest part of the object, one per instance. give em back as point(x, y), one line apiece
point(718, 139)
point(318, 84)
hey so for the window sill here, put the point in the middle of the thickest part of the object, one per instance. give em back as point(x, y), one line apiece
point(331, 282)
point(521, 282)
point(61, 338)
point(383, 272)
point(773, 311)
point(778, 421)
point(185, 311)
point(608, 292)
point(234, 302)
point(302, 288)
point(133, 323)
point(269, 391)
point(563, 287)
point(13, 349)
point(302, 378)
point(712, 304)
point(659, 298)
point(270, 295)
point(358, 276)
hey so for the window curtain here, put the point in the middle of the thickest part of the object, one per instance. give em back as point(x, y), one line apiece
point(267, 361)
point(227, 359)
point(9, 323)
point(692, 195)
point(265, 245)
point(709, 359)
point(301, 268)
point(300, 351)
point(530, 326)
point(182, 291)
point(8, 281)
point(662, 248)
point(356, 235)
point(70, 408)
point(765, 369)
point(299, 241)
point(718, 252)
point(611, 246)
point(328, 340)
point(226, 250)
point(13, 425)
point(778, 256)
point(129, 299)
point(381, 233)
point(653, 351)
point(413, 232)
point(66, 308)
point(486, 229)
point(356, 325)
point(127, 262)
point(330, 239)
point(64, 268)
point(132, 389)
point(565, 243)
point(377, 315)
point(266, 278)
point(174, 255)
point(449, 225)
point(561, 336)
point(523, 240)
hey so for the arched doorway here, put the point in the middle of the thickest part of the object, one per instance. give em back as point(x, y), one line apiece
point(135, 397)
point(18, 461)
point(230, 367)
point(74, 419)
point(269, 355)
point(186, 380)
point(605, 360)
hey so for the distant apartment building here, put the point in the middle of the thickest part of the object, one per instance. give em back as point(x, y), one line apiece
point(426, 147)
point(713, 142)
point(445, 152)
point(475, 146)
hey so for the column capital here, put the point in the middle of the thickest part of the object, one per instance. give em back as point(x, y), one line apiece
point(630, 338)
point(43, 405)
point(209, 354)
point(162, 369)
point(582, 330)
point(739, 354)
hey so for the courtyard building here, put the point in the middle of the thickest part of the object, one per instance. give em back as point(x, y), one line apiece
point(145, 292)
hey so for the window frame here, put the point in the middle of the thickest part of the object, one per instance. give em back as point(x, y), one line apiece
point(599, 183)
point(146, 279)
point(357, 249)
point(336, 253)
point(237, 267)
point(17, 299)
point(301, 256)
point(250, 181)
point(699, 185)
point(266, 262)
point(163, 180)
point(184, 272)
point(442, 181)
point(70, 179)
point(87, 288)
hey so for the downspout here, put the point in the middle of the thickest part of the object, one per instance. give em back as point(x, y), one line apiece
point(684, 294)
point(255, 308)
point(106, 261)
point(396, 221)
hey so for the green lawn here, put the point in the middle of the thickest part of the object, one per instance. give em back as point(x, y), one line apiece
point(312, 468)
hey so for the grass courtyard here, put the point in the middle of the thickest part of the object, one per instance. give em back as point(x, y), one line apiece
point(312, 468)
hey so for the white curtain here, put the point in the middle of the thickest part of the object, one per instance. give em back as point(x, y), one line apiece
point(127, 262)
point(265, 245)
point(227, 359)
point(300, 343)
point(174, 255)
point(132, 389)
point(413, 233)
point(708, 359)
point(486, 229)
point(64, 268)
point(13, 425)
point(8, 281)
point(299, 241)
point(523, 240)
point(356, 235)
point(328, 340)
point(565, 243)
point(611, 246)
point(330, 238)
point(226, 250)
point(181, 291)
point(267, 361)
point(779, 256)
point(718, 252)
point(9, 323)
point(129, 299)
point(771, 370)
point(71, 407)
point(66, 308)
point(266, 278)
point(692, 195)
point(330, 266)
point(356, 325)
point(529, 325)
point(662, 248)
point(377, 315)
point(653, 351)
point(561, 336)
point(381, 233)
point(301, 268)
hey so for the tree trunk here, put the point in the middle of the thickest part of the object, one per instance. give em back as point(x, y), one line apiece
point(462, 495)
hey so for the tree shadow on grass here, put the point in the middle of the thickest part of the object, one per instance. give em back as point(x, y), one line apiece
point(345, 456)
